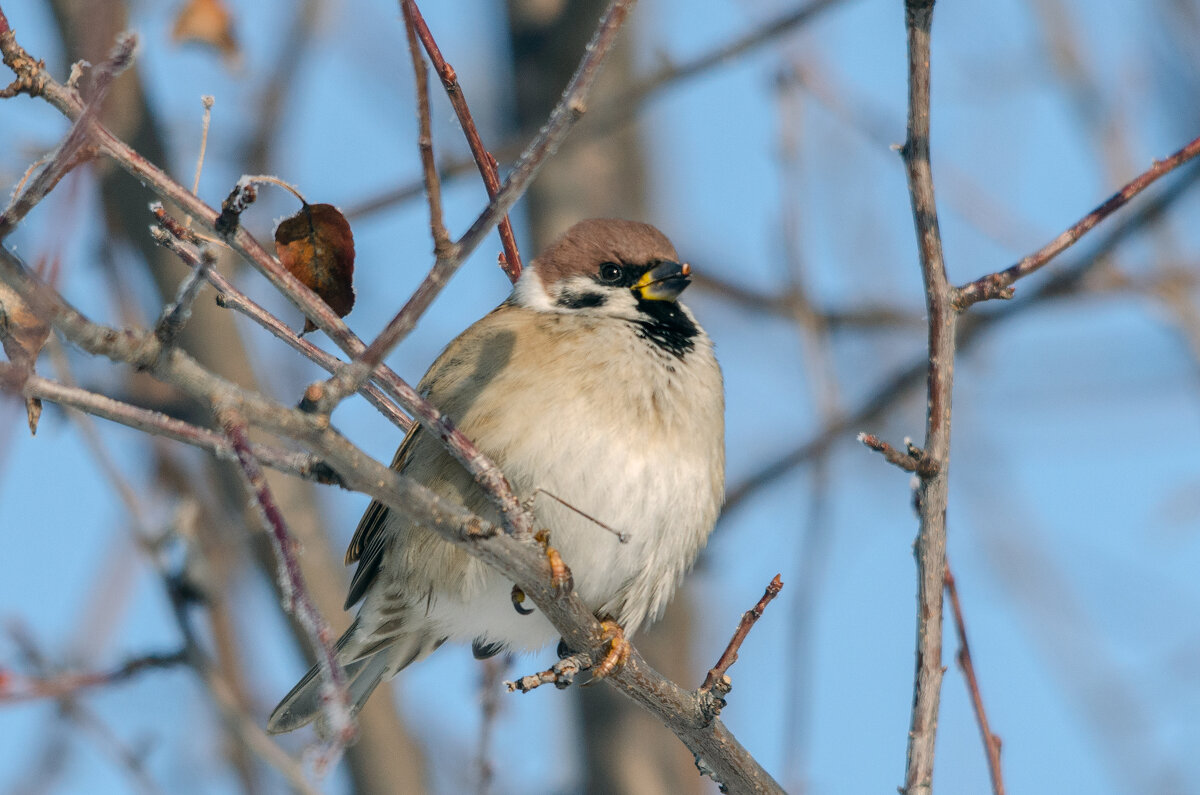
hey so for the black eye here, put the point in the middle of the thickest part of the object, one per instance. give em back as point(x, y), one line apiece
point(610, 273)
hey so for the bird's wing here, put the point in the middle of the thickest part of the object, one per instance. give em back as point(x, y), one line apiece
point(454, 380)
point(369, 541)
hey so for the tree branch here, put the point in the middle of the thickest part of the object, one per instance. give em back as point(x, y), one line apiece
point(487, 165)
point(25, 688)
point(748, 620)
point(999, 284)
point(932, 491)
point(569, 110)
point(518, 557)
point(335, 699)
point(991, 743)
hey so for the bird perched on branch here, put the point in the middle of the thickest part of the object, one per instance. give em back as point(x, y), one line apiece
point(597, 394)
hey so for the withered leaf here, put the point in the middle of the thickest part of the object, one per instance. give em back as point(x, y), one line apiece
point(22, 335)
point(317, 247)
point(207, 22)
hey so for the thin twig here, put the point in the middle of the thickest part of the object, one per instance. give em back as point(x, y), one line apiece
point(207, 100)
point(187, 247)
point(932, 491)
point(999, 284)
point(910, 460)
point(433, 184)
point(630, 101)
point(488, 168)
point(175, 314)
point(749, 618)
point(569, 110)
point(70, 152)
point(335, 699)
point(991, 743)
point(303, 465)
point(14, 687)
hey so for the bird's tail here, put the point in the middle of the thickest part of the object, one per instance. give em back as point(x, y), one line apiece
point(363, 672)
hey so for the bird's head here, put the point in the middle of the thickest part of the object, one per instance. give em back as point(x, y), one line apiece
point(605, 266)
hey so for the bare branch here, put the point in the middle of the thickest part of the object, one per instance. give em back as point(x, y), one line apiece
point(488, 167)
point(175, 314)
point(971, 328)
point(569, 110)
point(14, 687)
point(631, 101)
point(932, 491)
point(303, 465)
point(748, 620)
point(335, 698)
point(999, 284)
point(433, 184)
point(991, 743)
point(70, 152)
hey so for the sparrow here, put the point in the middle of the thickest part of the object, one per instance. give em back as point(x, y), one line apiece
point(598, 395)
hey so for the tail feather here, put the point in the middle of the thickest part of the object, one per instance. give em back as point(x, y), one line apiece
point(363, 672)
point(303, 704)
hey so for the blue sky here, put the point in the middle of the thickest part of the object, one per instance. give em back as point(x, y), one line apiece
point(1073, 509)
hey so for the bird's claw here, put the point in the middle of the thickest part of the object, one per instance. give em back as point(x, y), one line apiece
point(560, 575)
point(618, 650)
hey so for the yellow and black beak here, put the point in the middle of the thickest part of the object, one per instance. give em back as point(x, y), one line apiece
point(664, 282)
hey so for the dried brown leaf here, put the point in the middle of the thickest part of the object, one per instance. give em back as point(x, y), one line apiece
point(207, 22)
point(317, 247)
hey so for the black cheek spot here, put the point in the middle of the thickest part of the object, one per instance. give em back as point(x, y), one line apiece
point(583, 300)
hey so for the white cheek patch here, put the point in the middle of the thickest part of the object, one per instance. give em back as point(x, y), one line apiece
point(531, 293)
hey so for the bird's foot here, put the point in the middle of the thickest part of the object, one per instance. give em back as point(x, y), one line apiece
point(618, 650)
point(560, 575)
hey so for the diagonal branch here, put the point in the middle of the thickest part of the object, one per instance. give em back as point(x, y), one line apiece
point(483, 158)
point(433, 184)
point(569, 110)
point(303, 465)
point(999, 284)
point(991, 742)
point(520, 558)
point(70, 152)
point(335, 699)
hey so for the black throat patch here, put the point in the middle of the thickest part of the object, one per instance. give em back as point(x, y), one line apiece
point(580, 300)
point(667, 326)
